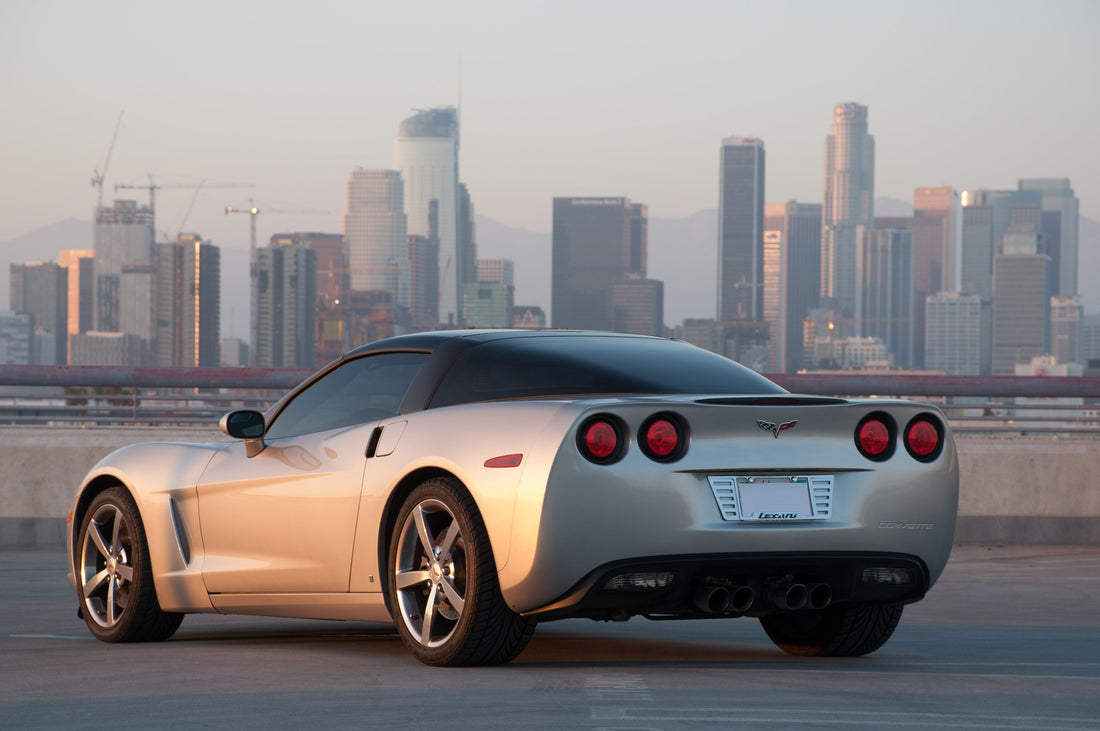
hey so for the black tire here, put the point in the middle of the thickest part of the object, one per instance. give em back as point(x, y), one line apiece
point(442, 582)
point(842, 630)
point(115, 579)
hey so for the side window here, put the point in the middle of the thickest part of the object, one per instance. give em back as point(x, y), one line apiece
point(362, 390)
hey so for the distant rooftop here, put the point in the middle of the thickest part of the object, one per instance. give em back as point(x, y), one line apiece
point(439, 122)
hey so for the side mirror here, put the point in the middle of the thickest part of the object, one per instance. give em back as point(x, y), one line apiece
point(247, 425)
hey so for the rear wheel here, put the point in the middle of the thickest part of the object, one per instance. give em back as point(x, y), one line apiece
point(841, 630)
point(443, 586)
point(118, 599)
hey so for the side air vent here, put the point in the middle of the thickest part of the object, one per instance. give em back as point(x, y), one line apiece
point(181, 532)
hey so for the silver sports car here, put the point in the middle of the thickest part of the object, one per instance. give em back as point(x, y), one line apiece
point(468, 485)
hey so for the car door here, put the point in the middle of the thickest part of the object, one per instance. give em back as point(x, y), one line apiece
point(285, 519)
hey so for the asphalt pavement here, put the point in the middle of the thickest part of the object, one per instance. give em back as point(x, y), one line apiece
point(1008, 639)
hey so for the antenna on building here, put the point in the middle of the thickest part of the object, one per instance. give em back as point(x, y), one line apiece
point(458, 107)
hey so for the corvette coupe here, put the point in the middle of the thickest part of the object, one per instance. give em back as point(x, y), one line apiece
point(467, 485)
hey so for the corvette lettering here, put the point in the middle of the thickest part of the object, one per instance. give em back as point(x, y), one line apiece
point(907, 526)
point(775, 428)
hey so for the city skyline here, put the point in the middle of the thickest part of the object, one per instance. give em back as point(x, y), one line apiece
point(972, 96)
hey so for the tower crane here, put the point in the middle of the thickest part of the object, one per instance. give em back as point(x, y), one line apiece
point(252, 210)
point(97, 177)
point(153, 187)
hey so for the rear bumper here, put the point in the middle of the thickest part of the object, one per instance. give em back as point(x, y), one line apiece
point(730, 585)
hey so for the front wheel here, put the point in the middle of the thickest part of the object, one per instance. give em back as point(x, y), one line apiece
point(443, 586)
point(841, 630)
point(118, 599)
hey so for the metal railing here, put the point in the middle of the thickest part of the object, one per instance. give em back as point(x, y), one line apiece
point(139, 395)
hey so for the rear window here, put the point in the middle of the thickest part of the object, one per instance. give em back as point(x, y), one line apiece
point(572, 365)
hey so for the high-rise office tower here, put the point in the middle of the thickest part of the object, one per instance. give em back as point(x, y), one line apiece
point(795, 230)
point(943, 203)
point(41, 290)
point(137, 307)
point(80, 264)
point(123, 234)
point(426, 155)
point(286, 305)
point(957, 334)
point(849, 202)
point(639, 306)
point(332, 264)
point(375, 233)
point(188, 302)
point(489, 302)
point(986, 216)
point(496, 269)
point(741, 229)
point(1066, 314)
point(1021, 299)
point(596, 243)
point(16, 338)
point(930, 237)
point(884, 308)
point(1060, 221)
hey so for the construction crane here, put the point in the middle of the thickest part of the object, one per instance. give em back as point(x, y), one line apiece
point(154, 187)
point(252, 212)
point(97, 177)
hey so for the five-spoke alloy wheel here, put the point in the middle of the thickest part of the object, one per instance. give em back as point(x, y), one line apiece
point(443, 587)
point(115, 579)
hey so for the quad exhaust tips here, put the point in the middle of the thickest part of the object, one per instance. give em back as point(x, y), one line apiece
point(792, 596)
point(724, 599)
point(737, 599)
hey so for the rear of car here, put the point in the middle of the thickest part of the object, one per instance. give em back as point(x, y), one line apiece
point(723, 506)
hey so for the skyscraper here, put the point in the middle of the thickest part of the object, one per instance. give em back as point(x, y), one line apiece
point(741, 229)
point(930, 237)
point(639, 306)
point(123, 234)
point(884, 308)
point(188, 302)
point(986, 216)
point(942, 203)
point(286, 304)
point(596, 243)
point(426, 155)
point(849, 202)
point(957, 334)
point(1021, 299)
point(1066, 314)
point(40, 289)
point(795, 229)
point(1060, 221)
point(80, 265)
point(375, 233)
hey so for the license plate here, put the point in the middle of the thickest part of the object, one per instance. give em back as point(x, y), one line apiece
point(773, 499)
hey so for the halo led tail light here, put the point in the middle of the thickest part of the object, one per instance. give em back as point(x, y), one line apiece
point(602, 439)
point(924, 438)
point(663, 437)
point(876, 436)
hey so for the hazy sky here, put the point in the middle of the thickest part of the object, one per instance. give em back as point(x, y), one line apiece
point(558, 98)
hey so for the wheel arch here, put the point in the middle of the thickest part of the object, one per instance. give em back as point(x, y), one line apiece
point(90, 491)
point(388, 520)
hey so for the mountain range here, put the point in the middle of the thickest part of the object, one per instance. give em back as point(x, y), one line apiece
point(682, 253)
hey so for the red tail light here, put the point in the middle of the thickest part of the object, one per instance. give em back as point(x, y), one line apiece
point(663, 437)
point(601, 440)
point(924, 438)
point(875, 436)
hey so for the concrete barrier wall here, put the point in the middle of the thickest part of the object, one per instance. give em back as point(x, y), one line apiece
point(1012, 490)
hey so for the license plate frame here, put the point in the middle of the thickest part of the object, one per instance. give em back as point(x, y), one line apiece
point(773, 498)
